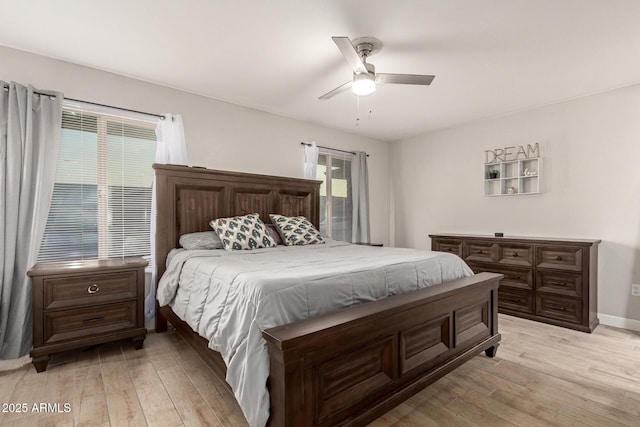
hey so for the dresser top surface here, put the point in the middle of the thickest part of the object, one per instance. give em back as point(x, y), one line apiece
point(506, 238)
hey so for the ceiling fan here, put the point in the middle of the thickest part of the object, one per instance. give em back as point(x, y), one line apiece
point(364, 74)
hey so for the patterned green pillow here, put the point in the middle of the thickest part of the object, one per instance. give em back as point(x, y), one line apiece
point(242, 232)
point(296, 230)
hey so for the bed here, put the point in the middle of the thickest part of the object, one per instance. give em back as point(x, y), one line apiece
point(345, 367)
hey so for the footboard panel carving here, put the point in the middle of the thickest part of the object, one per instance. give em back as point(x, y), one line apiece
point(341, 382)
point(423, 344)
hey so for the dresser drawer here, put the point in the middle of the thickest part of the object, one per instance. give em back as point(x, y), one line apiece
point(554, 282)
point(480, 251)
point(559, 308)
point(559, 257)
point(448, 245)
point(515, 300)
point(76, 291)
point(521, 278)
point(84, 322)
point(515, 254)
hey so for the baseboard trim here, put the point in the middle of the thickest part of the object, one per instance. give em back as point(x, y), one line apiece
point(619, 322)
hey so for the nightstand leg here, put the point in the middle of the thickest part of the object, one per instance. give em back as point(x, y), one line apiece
point(491, 351)
point(40, 363)
point(138, 342)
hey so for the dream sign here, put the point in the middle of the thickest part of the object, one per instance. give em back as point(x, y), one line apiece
point(509, 154)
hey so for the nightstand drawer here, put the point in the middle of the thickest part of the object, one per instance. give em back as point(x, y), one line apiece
point(559, 308)
point(554, 282)
point(83, 322)
point(559, 257)
point(76, 291)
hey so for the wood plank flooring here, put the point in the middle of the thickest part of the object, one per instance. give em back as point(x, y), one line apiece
point(542, 376)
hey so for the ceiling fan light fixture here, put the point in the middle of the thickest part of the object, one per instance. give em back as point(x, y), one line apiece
point(363, 84)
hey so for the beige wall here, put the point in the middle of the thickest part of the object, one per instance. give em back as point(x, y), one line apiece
point(219, 135)
point(590, 183)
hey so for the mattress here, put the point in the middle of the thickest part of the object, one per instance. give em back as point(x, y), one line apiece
point(229, 298)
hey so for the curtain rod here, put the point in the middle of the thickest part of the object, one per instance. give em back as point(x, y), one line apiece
point(329, 148)
point(160, 116)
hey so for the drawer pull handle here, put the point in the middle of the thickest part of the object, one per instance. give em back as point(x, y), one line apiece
point(449, 249)
point(93, 289)
point(480, 252)
point(94, 319)
point(557, 307)
point(558, 258)
point(558, 284)
point(515, 254)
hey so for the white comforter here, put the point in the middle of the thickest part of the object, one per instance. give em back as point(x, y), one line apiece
point(231, 297)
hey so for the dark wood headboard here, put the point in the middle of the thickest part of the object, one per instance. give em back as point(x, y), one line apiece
point(188, 198)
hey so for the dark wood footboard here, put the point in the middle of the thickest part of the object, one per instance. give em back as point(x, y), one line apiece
point(351, 366)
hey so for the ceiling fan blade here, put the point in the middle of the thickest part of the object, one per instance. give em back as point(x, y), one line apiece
point(404, 79)
point(350, 54)
point(337, 90)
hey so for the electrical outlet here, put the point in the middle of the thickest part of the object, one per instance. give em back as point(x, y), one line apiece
point(635, 290)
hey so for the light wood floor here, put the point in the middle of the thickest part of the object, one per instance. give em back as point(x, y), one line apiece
point(542, 375)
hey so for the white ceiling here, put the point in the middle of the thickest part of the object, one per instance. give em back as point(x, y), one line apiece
point(490, 57)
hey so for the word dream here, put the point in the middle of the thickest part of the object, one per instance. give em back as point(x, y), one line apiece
point(510, 154)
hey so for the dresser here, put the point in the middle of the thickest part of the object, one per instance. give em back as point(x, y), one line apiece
point(78, 304)
point(545, 279)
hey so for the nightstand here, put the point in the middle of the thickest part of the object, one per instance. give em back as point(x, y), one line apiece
point(78, 304)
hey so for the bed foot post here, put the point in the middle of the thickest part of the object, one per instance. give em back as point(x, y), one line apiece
point(161, 321)
point(491, 351)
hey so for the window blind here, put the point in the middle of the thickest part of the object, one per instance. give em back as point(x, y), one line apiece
point(101, 205)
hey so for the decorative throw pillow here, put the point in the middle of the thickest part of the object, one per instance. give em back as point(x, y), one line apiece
point(296, 230)
point(201, 240)
point(242, 232)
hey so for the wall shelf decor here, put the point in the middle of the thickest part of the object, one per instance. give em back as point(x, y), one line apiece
point(510, 173)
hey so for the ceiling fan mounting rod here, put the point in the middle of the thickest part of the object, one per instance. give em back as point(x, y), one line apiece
point(364, 50)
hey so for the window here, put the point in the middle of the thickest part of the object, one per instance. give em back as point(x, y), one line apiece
point(101, 205)
point(336, 209)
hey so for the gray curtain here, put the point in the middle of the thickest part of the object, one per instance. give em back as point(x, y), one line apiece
point(360, 194)
point(30, 122)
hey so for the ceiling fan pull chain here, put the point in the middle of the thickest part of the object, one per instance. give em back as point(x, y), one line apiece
point(357, 110)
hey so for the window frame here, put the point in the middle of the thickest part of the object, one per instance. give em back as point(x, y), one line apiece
point(330, 155)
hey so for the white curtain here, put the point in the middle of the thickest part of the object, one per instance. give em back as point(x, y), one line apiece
point(310, 160)
point(30, 125)
point(360, 194)
point(171, 149)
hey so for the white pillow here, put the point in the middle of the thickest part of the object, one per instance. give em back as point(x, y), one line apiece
point(201, 240)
